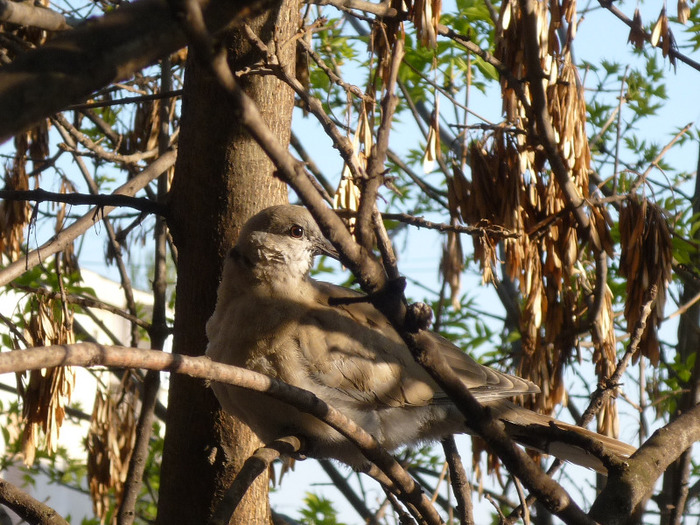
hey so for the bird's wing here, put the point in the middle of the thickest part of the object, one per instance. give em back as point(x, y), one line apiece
point(484, 382)
point(354, 349)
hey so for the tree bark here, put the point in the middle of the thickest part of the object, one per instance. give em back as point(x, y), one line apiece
point(221, 178)
point(674, 492)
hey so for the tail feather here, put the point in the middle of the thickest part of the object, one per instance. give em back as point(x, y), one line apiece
point(562, 440)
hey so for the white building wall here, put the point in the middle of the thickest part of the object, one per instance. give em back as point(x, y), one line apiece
point(73, 433)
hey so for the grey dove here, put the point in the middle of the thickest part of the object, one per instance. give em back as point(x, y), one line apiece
point(273, 318)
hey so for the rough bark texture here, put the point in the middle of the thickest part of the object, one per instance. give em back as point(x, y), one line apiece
point(222, 177)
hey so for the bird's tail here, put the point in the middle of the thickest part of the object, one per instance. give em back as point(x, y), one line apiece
point(562, 440)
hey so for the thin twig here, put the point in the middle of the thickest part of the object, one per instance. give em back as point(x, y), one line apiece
point(608, 4)
point(98, 150)
point(127, 100)
point(343, 486)
point(158, 332)
point(654, 163)
point(364, 229)
point(69, 234)
point(64, 129)
point(83, 199)
point(325, 187)
point(606, 389)
point(460, 483)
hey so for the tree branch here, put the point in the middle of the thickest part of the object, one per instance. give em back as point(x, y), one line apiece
point(249, 472)
point(85, 302)
point(460, 483)
point(29, 15)
point(90, 355)
point(28, 508)
point(536, 76)
point(369, 186)
point(608, 4)
point(343, 486)
point(68, 235)
point(381, 10)
point(70, 67)
point(604, 391)
point(100, 201)
point(629, 488)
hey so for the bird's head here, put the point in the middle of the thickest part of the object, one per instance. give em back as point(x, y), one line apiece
point(283, 238)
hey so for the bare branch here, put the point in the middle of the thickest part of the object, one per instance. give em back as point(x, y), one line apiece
point(382, 10)
point(29, 15)
point(324, 187)
point(332, 76)
point(73, 65)
point(100, 201)
point(28, 508)
point(629, 488)
point(369, 186)
point(460, 483)
point(84, 302)
point(341, 142)
point(251, 469)
point(90, 355)
point(604, 391)
point(608, 4)
point(546, 134)
point(657, 159)
point(68, 235)
point(127, 100)
point(343, 486)
point(96, 149)
point(158, 332)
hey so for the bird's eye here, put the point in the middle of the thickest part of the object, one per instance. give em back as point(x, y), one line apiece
point(296, 231)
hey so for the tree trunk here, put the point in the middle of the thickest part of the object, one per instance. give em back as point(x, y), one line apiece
point(674, 493)
point(221, 178)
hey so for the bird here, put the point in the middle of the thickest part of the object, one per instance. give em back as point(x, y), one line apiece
point(272, 317)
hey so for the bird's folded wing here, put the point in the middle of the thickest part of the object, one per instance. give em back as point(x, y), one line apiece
point(354, 349)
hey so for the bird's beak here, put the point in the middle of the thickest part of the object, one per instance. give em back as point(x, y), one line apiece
point(324, 247)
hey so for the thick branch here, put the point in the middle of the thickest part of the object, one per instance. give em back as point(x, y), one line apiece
point(65, 237)
point(70, 67)
point(551, 494)
point(29, 15)
point(89, 355)
point(546, 135)
point(627, 489)
point(252, 468)
point(30, 509)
